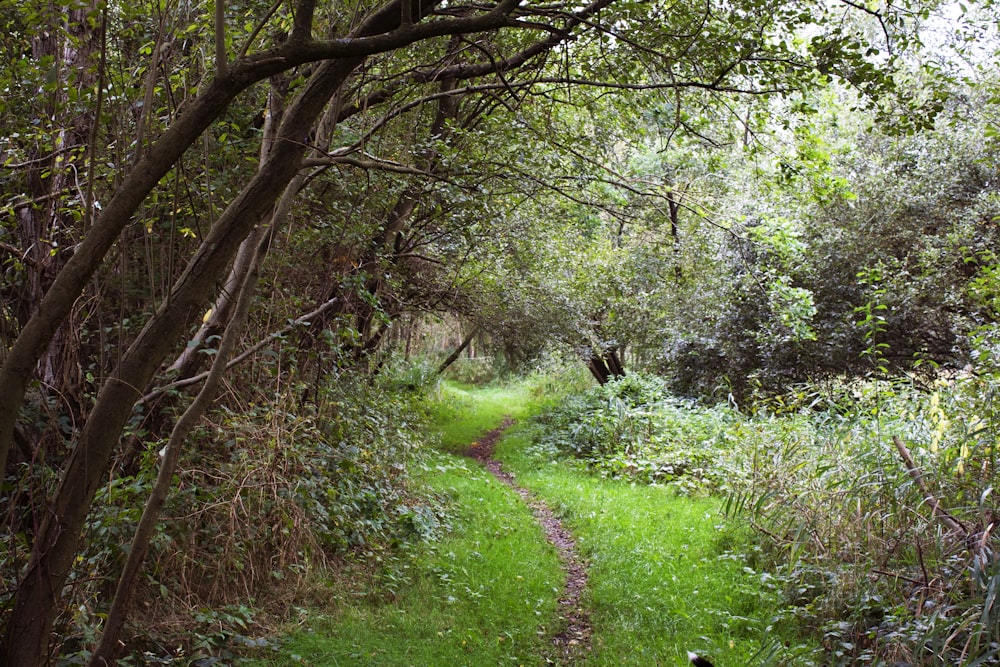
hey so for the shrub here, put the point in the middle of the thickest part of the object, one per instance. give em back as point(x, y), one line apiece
point(864, 558)
point(268, 500)
point(844, 531)
point(633, 428)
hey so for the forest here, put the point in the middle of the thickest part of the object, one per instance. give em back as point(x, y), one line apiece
point(285, 283)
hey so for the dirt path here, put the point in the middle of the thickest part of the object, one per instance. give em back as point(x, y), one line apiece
point(573, 640)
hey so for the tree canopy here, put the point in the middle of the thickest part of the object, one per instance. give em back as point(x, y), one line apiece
point(715, 190)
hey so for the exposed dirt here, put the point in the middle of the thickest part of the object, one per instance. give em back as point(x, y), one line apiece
point(573, 639)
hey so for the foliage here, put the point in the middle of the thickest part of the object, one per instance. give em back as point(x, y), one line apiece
point(271, 499)
point(862, 554)
point(632, 428)
point(475, 371)
point(846, 536)
point(857, 218)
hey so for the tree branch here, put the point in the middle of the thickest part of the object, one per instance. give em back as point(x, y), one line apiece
point(917, 475)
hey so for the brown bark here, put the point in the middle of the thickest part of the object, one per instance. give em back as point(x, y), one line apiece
point(943, 515)
point(458, 351)
point(105, 653)
point(605, 366)
point(35, 338)
point(599, 369)
point(189, 362)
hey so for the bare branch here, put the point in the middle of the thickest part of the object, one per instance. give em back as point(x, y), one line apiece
point(371, 163)
point(246, 354)
point(917, 475)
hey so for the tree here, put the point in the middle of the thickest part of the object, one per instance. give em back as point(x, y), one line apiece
point(56, 541)
point(470, 56)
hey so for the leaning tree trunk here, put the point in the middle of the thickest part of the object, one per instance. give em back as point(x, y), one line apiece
point(105, 653)
point(606, 366)
point(254, 246)
point(35, 337)
point(453, 357)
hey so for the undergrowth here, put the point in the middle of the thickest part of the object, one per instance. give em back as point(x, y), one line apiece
point(879, 559)
point(633, 428)
point(270, 495)
point(482, 594)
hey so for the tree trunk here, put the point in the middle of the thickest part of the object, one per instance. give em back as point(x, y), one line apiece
point(190, 360)
point(385, 241)
point(458, 351)
point(605, 366)
point(105, 653)
point(35, 337)
point(57, 541)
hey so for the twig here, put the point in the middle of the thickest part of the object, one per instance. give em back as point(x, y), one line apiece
point(897, 575)
point(915, 472)
point(195, 379)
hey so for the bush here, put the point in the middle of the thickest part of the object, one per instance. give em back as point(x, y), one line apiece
point(844, 532)
point(851, 535)
point(633, 428)
point(268, 500)
point(477, 371)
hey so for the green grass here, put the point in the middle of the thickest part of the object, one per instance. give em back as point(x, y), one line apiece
point(462, 413)
point(665, 572)
point(483, 595)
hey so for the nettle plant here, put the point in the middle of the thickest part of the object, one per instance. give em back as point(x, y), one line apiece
point(632, 428)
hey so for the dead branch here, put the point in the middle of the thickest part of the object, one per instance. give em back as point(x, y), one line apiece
point(943, 515)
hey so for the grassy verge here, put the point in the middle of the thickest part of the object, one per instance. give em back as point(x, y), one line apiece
point(482, 595)
point(666, 573)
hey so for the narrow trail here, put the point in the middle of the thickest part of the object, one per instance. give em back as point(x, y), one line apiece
point(573, 640)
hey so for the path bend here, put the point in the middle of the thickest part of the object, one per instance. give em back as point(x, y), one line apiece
point(573, 640)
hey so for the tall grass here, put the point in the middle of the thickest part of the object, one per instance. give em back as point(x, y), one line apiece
point(866, 558)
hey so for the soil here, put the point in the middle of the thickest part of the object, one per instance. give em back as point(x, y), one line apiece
point(573, 639)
